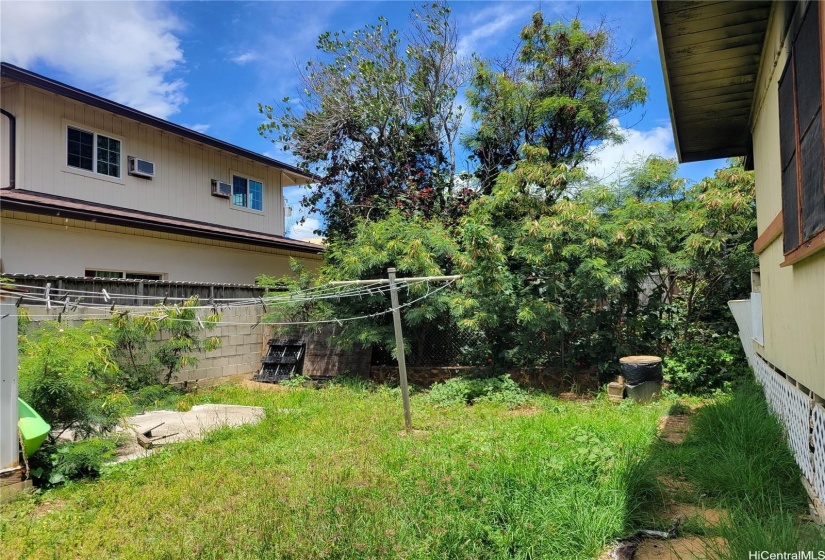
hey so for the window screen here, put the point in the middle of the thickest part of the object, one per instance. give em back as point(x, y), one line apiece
point(256, 195)
point(80, 151)
point(108, 156)
point(239, 194)
point(813, 192)
point(807, 58)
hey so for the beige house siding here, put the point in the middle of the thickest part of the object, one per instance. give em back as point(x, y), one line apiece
point(793, 297)
point(184, 168)
point(34, 244)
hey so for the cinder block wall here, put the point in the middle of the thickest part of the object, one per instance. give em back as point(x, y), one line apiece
point(239, 354)
point(240, 351)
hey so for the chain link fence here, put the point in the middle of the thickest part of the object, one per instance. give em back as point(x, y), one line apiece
point(436, 344)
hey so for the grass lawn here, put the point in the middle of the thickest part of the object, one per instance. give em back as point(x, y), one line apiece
point(329, 473)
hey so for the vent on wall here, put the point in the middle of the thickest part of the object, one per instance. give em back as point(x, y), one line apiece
point(141, 168)
point(223, 190)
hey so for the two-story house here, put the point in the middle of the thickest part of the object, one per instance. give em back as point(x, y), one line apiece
point(748, 79)
point(90, 187)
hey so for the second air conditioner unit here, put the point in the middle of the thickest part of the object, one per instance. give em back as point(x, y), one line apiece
point(221, 189)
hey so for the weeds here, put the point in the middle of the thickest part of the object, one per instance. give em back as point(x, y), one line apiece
point(461, 391)
point(327, 475)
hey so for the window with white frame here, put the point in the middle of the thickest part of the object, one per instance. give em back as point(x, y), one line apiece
point(94, 152)
point(247, 193)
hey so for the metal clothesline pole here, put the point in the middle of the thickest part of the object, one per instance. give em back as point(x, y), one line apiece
point(396, 319)
point(399, 349)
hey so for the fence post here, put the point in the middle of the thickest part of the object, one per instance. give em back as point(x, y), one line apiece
point(9, 446)
point(399, 349)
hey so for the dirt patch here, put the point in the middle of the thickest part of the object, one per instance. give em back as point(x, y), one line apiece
point(674, 428)
point(568, 396)
point(524, 411)
point(414, 432)
point(688, 512)
point(676, 485)
point(681, 548)
point(48, 507)
point(249, 384)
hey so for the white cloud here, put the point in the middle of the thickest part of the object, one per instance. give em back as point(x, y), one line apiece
point(121, 50)
point(491, 22)
point(305, 230)
point(610, 158)
point(199, 127)
point(243, 58)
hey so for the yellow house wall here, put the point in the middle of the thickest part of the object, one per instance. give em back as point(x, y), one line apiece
point(183, 168)
point(793, 297)
point(32, 244)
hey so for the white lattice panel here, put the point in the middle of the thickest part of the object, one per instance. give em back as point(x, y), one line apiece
point(797, 419)
point(818, 424)
point(794, 408)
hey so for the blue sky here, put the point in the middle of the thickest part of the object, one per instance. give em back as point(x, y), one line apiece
point(207, 65)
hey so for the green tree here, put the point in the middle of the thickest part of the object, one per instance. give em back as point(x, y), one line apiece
point(378, 121)
point(562, 91)
point(415, 247)
point(608, 271)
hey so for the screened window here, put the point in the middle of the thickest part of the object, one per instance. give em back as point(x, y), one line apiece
point(247, 193)
point(80, 149)
point(802, 149)
point(93, 152)
point(121, 274)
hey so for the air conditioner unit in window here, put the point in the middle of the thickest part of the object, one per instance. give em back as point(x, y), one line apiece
point(141, 168)
point(223, 190)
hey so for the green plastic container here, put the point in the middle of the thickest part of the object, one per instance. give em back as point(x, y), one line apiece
point(32, 427)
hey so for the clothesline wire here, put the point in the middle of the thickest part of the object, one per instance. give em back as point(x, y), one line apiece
point(59, 296)
point(142, 311)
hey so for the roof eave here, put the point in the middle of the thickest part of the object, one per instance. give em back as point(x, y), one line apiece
point(665, 75)
point(53, 86)
point(44, 208)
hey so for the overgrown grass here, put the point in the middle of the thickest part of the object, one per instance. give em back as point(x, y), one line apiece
point(330, 474)
point(735, 458)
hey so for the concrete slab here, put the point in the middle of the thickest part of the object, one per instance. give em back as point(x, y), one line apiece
point(181, 426)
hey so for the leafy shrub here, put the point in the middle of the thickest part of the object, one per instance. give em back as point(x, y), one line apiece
point(80, 459)
point(156, 396)
point(143, 359)
point(706, 362)
point(68, 376)
point(459, 390)
point(295, 381)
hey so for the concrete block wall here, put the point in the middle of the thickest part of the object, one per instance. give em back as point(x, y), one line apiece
point(239, 354)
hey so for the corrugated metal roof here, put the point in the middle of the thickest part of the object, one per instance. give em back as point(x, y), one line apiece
point(710, 59)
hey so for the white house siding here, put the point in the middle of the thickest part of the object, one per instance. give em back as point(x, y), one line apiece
point(184, 168)
point(793, 297)
point(48, 245)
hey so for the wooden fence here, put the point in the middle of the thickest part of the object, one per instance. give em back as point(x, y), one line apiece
point(146, 288)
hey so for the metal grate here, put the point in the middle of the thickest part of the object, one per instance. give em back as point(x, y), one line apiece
point(284, 359)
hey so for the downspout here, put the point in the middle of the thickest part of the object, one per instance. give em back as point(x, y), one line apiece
point(12, 146)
